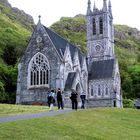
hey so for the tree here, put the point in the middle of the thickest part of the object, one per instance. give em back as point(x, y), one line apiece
point(8, 78)
point(10, 54)
point(135, 76)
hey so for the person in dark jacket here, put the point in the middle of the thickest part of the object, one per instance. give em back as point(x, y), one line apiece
point(74, 99)
point(59, 99)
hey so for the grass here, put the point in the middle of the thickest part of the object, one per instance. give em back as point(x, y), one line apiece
point(90, 124)
point(8, 110)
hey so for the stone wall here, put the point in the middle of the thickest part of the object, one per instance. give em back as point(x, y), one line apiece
point(99, 103)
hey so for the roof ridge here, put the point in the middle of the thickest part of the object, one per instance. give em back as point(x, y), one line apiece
point(65, 39)
point(59, 35)
point(61, 43)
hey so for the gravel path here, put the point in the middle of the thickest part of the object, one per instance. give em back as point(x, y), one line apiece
point(31, 116)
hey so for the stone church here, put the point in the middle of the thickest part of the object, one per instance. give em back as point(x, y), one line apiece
point(51, 62)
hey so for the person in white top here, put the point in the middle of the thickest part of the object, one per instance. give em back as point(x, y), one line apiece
point(51, 99)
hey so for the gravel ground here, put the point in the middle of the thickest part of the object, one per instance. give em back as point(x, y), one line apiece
point(31, 116)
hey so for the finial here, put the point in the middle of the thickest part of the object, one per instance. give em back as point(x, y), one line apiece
point(109, 4)
point(89, 8)
point(94, 7)
point(89, 2)
point(110, 7)
point(39, 17)
point(68, 44)
point(104, 5)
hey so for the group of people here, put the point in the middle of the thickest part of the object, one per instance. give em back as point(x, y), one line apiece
point(51, 99)
point(74, 99)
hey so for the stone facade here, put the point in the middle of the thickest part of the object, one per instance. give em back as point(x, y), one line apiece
point(51, 62)
point(104, 77)
point(47, 63)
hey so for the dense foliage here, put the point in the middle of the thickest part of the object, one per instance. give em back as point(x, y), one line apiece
point(72, 29)
point(15, 31)
point(13, 39)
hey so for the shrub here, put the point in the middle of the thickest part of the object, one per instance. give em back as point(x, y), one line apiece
point(128, 103)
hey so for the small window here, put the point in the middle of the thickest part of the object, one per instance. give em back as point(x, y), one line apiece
point(101, 25)
point(106, 91)
point(94, 27)
point(92, 92)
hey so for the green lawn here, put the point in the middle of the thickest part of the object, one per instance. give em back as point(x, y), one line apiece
point(90, 124)
point(6, 110)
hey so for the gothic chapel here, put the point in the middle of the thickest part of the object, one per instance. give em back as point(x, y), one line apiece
point(51, 62)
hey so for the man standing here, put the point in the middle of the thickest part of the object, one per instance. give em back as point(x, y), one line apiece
point(74, 99)
point(59, 99)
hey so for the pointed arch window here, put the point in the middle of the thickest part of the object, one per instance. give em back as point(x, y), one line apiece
point(99, 90)
point(101, 25)
point(38, 71)
point(106, 91)
point(92, 94)
point(94, 26)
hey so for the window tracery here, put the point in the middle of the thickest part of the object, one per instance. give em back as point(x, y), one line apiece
point(39, 71)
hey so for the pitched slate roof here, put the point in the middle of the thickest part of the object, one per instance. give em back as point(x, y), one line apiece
point(101, 69)
point(70, 80)
point(60, 44)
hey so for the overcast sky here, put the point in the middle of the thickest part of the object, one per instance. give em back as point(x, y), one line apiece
point(124, 11)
